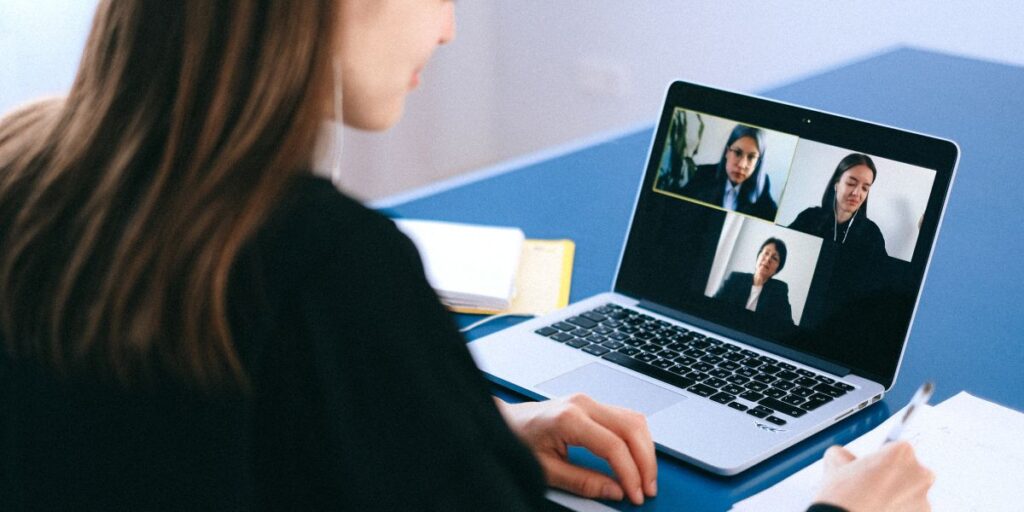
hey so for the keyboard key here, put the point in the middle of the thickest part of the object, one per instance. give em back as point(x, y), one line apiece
point(680, 369)
point(756, 386)
point(668, 354)
point(769, 360)
point(829, 390)
point(702, 390)
point(648, 370)
point(593, 315)
point(661, 340)
point(734, 357)
point(815, 401)
point(720, 373)
point(612, 324)
point(757, 413)
point(826, 380)
point(580, 333)
point(562, 326)
point(596, 338)
point(775, 420)
point(738, 406)
point(678, 347)
point(787, 366)
point(696, 376)
point(711, 359)
point(629, 351)
point(764, 377)
point(737, 379)
point(633, 342)
point(793, 399)
point(686, 360)
point(596, 350)
point(784, 384)
point(753, 396)
point(729, 365)
point(664, 364)
point(751, 362)
point(702, 367)
point(775, 393)
point(844, 386)
point(805, 373)
point(714, 341)
point(650, 348)
point(715, 382)
point(602, 330)
point(722, 398)
point(786, 374)
point(577, 343)
point(563, 337)
point(694, 353)
point(646, 358)
point(716, 351)
point(613, 345)
point(700, 344)
point(747, 372)
point(806, 382)
point(628, 329)
point(546, 331)
point(783, 407)
point(749, 353)
point(733, 389)
point(802, 391)
point(769, 369)
point(586, 323)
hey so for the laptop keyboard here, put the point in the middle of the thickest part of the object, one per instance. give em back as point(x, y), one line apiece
point(722, 372)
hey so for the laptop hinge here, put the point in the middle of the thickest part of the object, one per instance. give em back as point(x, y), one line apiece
point(775, 348)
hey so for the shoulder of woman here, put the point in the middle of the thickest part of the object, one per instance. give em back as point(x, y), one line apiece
point(314, 220)
point(24, 123)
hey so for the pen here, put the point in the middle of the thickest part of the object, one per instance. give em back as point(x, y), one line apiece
point(920, 398)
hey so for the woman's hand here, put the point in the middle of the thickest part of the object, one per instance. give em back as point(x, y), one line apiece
point(889, 479)
point(617, 435)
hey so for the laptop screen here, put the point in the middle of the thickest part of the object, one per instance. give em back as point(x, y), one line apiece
point(790, 226)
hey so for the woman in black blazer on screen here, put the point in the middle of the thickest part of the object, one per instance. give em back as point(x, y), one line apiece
point(759, 291)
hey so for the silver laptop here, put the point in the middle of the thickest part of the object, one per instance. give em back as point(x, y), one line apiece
point(758, 299)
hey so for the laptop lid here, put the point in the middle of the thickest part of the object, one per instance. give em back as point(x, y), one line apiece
point(795, 230)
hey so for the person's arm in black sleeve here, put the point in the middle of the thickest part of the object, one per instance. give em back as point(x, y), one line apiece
point(410, 422)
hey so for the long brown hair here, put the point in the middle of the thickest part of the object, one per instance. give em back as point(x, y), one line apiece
point(124, 206)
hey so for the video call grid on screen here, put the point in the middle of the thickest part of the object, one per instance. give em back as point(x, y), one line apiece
point(797, 171)
point(681, 257)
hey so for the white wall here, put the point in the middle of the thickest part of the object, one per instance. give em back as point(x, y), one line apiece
point(530, 74)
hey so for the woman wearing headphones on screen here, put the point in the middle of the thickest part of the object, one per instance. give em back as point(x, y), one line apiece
point(842, 219)
point(191, 320)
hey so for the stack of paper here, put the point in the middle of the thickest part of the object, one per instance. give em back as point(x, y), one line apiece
point(972, 445)
point(487, 269)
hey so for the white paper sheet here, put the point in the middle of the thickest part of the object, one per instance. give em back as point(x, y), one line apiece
point(975, 448)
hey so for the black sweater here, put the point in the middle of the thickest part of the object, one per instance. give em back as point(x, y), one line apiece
point(365, 397)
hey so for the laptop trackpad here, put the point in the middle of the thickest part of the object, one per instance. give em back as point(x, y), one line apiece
point(613, 387)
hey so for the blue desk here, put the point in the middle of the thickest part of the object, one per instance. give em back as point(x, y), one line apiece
point(969, 328)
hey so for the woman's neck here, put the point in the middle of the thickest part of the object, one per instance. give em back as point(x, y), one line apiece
point(842, 216)
point(758, 280)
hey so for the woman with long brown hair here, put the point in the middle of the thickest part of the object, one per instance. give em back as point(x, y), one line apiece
point(191, 320)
